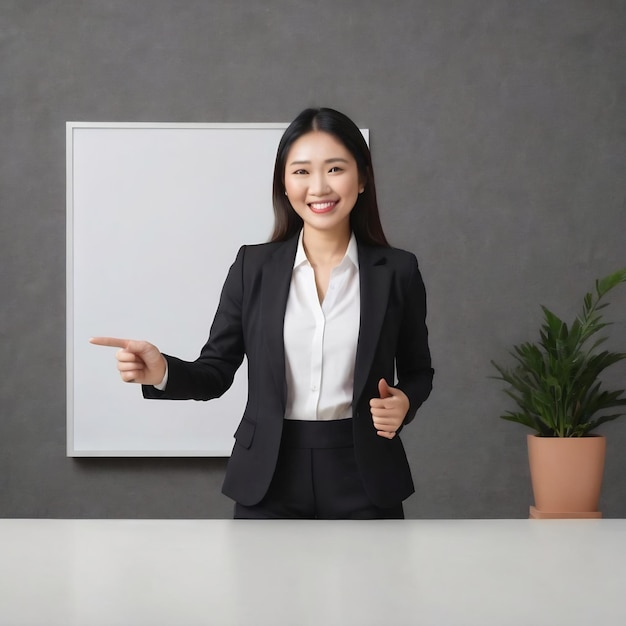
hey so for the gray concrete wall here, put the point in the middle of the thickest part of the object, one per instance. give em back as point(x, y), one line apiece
point(498, 132)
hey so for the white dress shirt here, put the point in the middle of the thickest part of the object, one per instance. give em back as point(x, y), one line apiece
point(321, 339)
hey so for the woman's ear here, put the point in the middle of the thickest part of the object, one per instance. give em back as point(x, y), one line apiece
point(363, 178)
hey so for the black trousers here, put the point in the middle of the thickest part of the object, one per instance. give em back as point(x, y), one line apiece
point(317, 477)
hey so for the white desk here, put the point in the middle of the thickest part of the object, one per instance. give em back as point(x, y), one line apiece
point(184, 572)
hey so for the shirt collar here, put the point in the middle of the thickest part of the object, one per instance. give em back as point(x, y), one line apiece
point(352, 254)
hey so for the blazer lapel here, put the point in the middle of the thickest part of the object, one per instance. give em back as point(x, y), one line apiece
point(275, 283)
point(375, 280)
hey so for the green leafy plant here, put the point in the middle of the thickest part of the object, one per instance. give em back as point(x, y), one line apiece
point(555, 381)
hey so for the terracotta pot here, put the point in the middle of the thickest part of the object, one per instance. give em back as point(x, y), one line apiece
point(566, 472)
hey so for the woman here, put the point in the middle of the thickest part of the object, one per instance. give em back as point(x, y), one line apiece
point(325, 313)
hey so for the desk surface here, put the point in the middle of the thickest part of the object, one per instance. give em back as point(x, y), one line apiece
point(222, 572)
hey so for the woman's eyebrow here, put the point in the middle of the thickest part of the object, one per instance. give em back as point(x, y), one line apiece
point(333, 160)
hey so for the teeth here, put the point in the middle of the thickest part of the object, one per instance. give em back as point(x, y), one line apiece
point(319, 206)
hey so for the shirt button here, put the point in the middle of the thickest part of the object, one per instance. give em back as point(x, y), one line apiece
point(314, 388)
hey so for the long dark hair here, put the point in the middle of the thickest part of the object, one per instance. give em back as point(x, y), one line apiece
point(364, 218)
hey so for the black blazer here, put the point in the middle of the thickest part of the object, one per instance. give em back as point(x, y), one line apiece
point(249, 320)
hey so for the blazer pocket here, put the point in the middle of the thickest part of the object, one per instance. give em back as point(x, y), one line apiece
point(245, 433)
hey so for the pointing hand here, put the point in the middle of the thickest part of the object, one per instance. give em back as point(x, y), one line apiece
point(137, 361)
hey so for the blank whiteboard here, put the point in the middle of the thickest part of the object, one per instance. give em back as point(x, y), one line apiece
point(155, 216)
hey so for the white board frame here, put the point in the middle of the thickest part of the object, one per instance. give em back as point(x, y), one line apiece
point(211, 424)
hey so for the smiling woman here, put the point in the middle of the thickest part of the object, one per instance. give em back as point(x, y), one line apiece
point(326, 314)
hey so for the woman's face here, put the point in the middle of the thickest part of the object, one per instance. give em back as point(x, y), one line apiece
point(322, 182)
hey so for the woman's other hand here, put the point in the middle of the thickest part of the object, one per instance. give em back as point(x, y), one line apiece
point(388, 411)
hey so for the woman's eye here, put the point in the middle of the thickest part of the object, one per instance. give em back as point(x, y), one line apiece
point(335, 169)
point(300, 172)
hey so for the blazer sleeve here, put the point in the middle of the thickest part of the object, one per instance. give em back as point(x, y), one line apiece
point(413, 362)
point(212, 373)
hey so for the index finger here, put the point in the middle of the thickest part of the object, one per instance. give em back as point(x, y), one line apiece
point(111, 342)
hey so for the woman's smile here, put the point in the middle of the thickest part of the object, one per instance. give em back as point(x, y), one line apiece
point(322, 207)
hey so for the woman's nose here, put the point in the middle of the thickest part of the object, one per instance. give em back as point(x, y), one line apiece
point(319, 185)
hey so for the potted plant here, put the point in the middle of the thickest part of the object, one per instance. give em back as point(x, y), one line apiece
point(556, 385)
